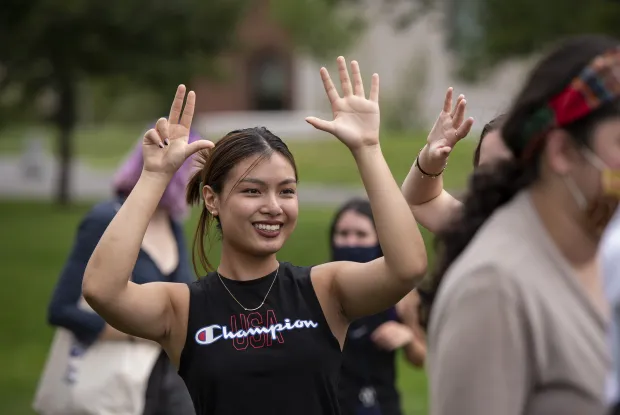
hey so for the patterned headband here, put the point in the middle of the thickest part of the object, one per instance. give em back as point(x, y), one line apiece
point(598, 84)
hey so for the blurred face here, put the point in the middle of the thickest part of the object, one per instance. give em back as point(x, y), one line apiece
point(354, 230)
point(493, 148)
point(580, 172)
point(582, 165)
point(257, 208)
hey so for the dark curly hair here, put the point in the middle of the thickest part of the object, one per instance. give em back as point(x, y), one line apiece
point(492, 125)
point(492, 186)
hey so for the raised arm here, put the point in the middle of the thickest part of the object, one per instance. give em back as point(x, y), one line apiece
point(146, 310)
point(432, 206)
point(363, 289)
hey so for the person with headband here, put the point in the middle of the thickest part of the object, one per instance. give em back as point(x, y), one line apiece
point(256, 335)
point(518, 317)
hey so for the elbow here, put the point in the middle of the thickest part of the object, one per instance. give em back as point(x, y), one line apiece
point(411, 271)
point(90, 291)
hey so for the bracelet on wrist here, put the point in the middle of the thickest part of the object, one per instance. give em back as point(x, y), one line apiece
point(424, 173)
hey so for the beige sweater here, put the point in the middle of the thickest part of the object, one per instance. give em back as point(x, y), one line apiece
point(512, 331)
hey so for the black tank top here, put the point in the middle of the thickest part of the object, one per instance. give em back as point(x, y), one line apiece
point(368, 376)
point(281, 359)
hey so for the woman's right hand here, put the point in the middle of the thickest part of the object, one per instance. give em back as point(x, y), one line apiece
point(166, 147)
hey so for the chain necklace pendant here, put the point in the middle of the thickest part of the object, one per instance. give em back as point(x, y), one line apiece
point(237, 301)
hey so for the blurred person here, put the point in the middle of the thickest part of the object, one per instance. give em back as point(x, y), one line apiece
point(368, 374)
point(162, 256)
point(518, 323)
point(432, 206)
point(610, 267)
point(257, 335)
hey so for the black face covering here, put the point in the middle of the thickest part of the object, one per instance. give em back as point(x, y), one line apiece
point(357, 253)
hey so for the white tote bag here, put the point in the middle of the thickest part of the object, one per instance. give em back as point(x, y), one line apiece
point(107, 378)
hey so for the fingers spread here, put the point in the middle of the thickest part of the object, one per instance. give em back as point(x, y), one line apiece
point(319, 124)
point(330, 89)
point(374, 88)
point(358, 84)
point(188, 111)
point(458, 101)
point(459, 113)
point(465, 128)
point(447, 103)
point(345, 82)
point(177, 105)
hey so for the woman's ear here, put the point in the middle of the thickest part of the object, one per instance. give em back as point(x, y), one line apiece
point(212, 200)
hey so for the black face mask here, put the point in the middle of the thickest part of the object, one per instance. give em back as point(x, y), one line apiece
point(357, 253)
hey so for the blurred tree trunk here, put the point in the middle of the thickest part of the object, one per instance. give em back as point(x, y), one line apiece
point(66, 120)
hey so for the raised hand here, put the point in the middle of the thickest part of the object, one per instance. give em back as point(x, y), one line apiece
point(166, 147)
point(356, 118)
point(449, 128)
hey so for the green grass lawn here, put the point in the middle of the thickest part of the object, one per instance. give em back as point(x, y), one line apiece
point(319, 161)
point(35, 240)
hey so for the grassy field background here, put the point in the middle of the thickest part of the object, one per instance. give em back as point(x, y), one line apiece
point(320, 160)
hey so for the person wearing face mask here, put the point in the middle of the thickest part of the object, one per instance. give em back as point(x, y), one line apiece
point(368, 374)
point(518, 319)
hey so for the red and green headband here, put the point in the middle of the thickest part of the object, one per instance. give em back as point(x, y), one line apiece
point(597, 84)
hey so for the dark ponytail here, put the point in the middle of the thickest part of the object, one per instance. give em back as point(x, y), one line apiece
point(194, 198)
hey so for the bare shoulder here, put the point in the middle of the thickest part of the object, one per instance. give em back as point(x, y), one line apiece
point(179, 296)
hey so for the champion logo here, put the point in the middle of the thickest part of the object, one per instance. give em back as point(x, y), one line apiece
point(252, 332)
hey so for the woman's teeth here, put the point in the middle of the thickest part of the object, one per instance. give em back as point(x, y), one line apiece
point(265, 227)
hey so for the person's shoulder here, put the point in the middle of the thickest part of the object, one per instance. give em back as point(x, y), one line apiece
point(103, 212)
point(295, 272)
point(475, 279)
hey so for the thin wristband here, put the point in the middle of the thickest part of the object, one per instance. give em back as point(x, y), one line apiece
point(431, 175)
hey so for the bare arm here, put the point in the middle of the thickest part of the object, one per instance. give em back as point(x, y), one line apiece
point(407, 309)
point(363, 289)
point(423, 186)
point(419, 188)
point(438, 212)
point(139, 310)
point(146, 310)
point(367, 288)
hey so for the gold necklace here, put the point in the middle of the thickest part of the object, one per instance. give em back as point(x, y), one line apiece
point(264, 299)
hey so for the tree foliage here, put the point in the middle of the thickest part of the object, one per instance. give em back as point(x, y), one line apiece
point(48, 48)
point(484, 33)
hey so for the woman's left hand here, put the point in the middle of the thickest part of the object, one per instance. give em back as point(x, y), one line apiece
point(356, 118)
point(392, 335)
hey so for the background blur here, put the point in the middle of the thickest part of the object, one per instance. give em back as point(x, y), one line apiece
point(80, 80)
